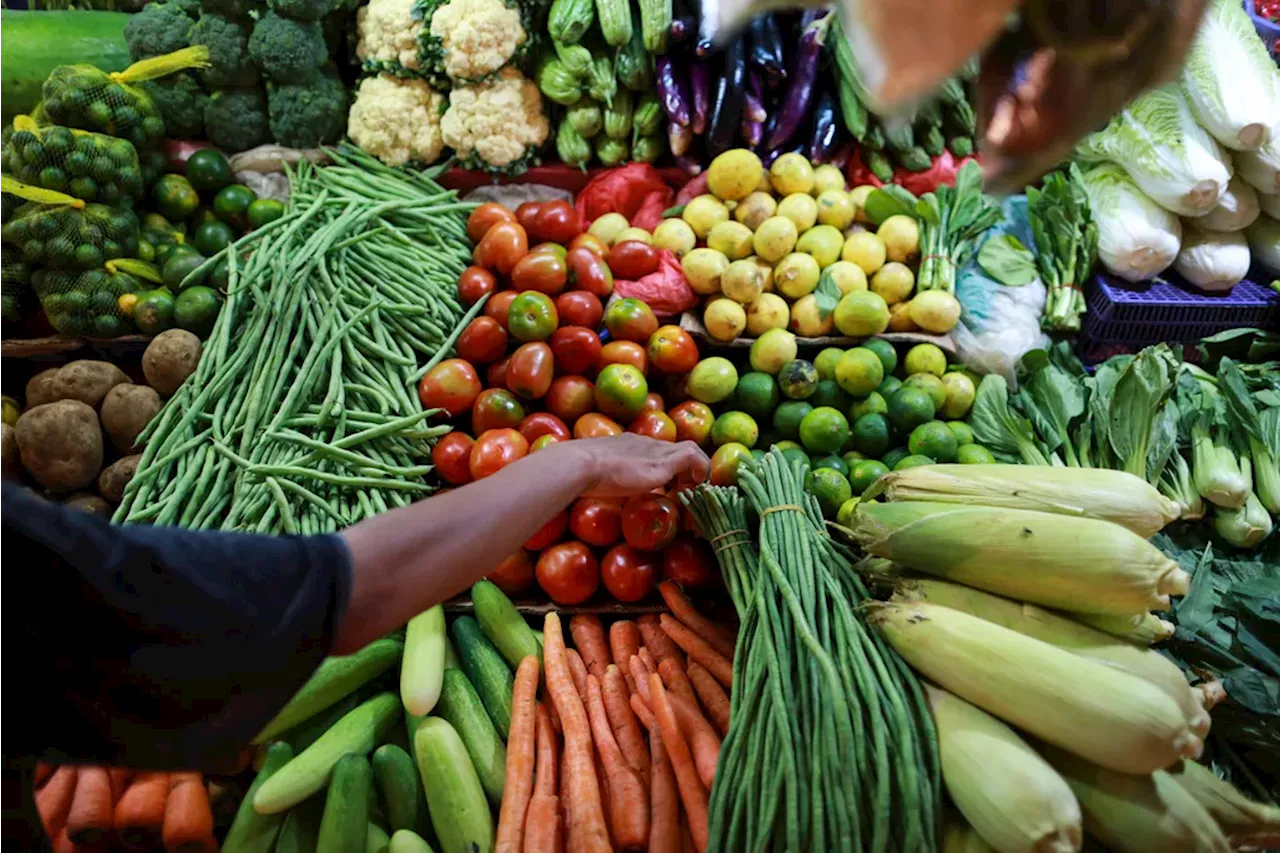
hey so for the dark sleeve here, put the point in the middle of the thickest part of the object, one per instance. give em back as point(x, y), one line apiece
point(154, 646)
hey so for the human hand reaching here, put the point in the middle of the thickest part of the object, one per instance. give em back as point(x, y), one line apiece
point(627, 464)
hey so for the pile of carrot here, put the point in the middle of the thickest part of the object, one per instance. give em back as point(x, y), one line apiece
point(87, 808)
point(620, 751)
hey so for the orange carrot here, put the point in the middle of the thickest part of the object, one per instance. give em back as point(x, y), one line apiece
point(641, 710)
point(624, 641)
point(43, 771)
point(542, 825)
point(649, 664)
point(578, 671)
point(62, 843)
point(53, 801)
point(704, 743)
point(641, 674)
point(91, 808)
point(120, 779)
point(617, 704)
point(140, 813)
point(676, 680)
point(606, 794)
point(588, 637)
point(547, 742)
point(719, 638)
point(655, 640)
point(550, 708)
point(586, 813)
point(188, 817)
point(686, 838)
point(711, 695)
point(629, 802)
point(692, 792)
point(518, 786)
point(664, 799)
point(698, 649)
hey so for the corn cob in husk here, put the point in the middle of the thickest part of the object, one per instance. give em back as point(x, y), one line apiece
point(1247, 823)
point(1098, 493)
point(1108, 716)
point(1060, 561)
point(959, 837)
point(1144, 629)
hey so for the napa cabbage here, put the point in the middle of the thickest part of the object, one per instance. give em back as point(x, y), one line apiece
point(1260, 168)
point(1236, 209)
point(1264, 242)
point(1137, 238)
point(1270, 205)
point(1211, 260)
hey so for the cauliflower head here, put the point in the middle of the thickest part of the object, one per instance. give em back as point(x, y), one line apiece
point(397, 120)
point(497, 126)
point(387, 34)
point(477, 37)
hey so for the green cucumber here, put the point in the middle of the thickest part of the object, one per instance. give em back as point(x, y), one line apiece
point(455, 799)
point(399, 786)
point(345, 825)
point(423, 663)
point(376, 840)
point(308, 731)
point(301, 827)
point(405, 841)
point(488, 672)
point(252, 832)
point(461, 706)
point(503, 624)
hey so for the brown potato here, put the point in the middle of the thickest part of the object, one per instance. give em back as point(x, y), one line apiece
point(126, 410)
point(116, 476)
point(86, 381)
point(88, 503)
point(61, 444)
point(40, 388)
point(170, 358)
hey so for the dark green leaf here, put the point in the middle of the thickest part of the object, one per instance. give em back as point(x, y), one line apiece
point(889, 200)
point(827, 295)
point(1005, 259)
point(1139, 393)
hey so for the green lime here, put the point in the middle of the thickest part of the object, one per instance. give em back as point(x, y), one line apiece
point(213, 237)
point(155, 222)
point(873, 404)
point(925, 358)
point(262, 211)
point(735, 427)
point(888, 386)
point(892, 457)
point(910, 407)
point(146, 251)
point(795, 454)
point(175, 197)
point(962, 431)
point(196, 309)
point(852, 458)
point(831, 461)
point(830, 487)
point(860, 371)
point(871, 435)
point(220, 275)
point(798, 379)
point(914, 460)
point(153, 312)
point(887, 354)
point(933, 439)
point(178, 267)
point(165, 251)
point(202, 216)
point(208, 169)
point(757, 454)
point(829, 393)
point(931, 385)
point(824, 430)
point(788, 416)
point(826, 362)
point(232, 203)
point(960, 394)
point(974, 454)
point(866, 472)
point(845, 516)
point(785, 444)
point(712, 380)
point(756, 394)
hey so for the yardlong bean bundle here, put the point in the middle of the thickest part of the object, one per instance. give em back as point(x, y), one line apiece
point(830, 744)
point(302, 416)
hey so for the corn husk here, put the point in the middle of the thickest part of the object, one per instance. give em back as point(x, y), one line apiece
point(1009, 794)
point(1144, 629)
point(1032, 621)
point(1148, 813)
point(959, 837)
point(1247, 823)
point(1099, 493)
point(1059, 561)
point(1108, 716)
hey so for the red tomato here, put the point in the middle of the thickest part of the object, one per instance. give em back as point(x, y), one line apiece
point(474, 283)
point(549, 533)
point(650, 522)
point(673, 350)
point(496, 408)
point(485, 217)
point(568, 573)
point(530, 371)
point(596, 521)
point(527, 215)
point(550, 249)
point(579, 308)
point(544, 272)
point(571, 397)
point(451, 385)
point(502, 247)
point(630, 320)
point(589, 272)
point(621, 391)
point(632, 259)
point(558, 222)
point(576, 348)
point(496, 375)
point(495, 450)
point(623, 352)
point(693, 421)
point(589, 241)
point(543, 442)
point(499, 307)
point(595, 425)
point(726, 461)
point(482, 341)
point(532, 316)
point(628, 574)
point(689, 561)
point(654, 403)
point(451, 456)
point(514, 575)
point(538, 424)
point(655, 425)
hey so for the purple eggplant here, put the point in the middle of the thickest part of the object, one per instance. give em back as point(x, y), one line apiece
point(844, 154)
point(771, 154)
point(803, 80)
point(770, 123)
point(731, 91)
point(682, 30)
point(679, 137)
point(753, 107)
point(691, 165)
point(752, 131)
point(700, 90)
point(826, 129)
point(766, 48)
point(672, 91)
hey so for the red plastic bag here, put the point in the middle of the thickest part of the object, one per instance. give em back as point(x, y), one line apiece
point(943, 171)
point(665, 291)
point(637, 191)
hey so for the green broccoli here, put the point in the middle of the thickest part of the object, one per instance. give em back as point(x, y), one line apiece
point(158, 29)
point(287, 50)
point(303, 10)
point(191, 7)
point(181, 103)
point(236, 119)
point(228, 43)
point(304, 115)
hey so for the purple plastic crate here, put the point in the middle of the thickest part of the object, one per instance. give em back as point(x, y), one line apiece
point(1267, 31)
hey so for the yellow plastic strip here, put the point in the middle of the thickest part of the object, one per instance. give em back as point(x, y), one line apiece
point(160, 66)
point(136, 268)
point(13, 186)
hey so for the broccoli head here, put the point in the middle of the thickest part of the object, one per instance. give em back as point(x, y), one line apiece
point(288, 50)
point(303, 10)
point(191, 7)
point(228, 43)
point(181, 103)
point(236, 119)
point(305, 115)
point(158, 29)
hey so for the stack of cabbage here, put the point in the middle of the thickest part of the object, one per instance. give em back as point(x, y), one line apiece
point(1051, 723)
point(1205, 149)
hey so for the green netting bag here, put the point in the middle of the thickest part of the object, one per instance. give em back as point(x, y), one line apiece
point(86, 165)
point(57, 230)
point(96, 303)
point(15, 283)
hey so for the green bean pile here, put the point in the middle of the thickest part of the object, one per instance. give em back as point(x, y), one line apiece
point(831, 745)
point(302, 415)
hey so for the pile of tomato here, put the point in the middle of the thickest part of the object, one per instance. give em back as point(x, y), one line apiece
point(546, 362)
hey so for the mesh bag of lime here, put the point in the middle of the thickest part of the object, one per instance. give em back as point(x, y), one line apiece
point(89, 302)
point(71, 237)
point(15, 283)
point(87, 165)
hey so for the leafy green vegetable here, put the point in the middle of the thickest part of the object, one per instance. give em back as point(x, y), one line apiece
point(1066, 244)
point(952, 221)
point(1004, 258)
point(1139, 394)
point(1057, 398)
point(999, 428)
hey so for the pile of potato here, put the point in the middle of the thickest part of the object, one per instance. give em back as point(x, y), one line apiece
point(87, 413)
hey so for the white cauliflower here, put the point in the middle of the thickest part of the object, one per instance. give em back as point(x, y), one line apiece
point(477, 36)
point(397, 120)
point(388, 33)
point(498, 125)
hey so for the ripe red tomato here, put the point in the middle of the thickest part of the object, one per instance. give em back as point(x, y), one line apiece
point(531, 370)
point(538, 424)
point(726, 461)
point(452, 456)
point(474, 283)
point(558, 222)
point(549, 533)
point(482, 341)
point(693, 421)
point(596, 521)
point(654, 402)
point(576, 348)
point(514, 575)
point(673, 350)
point(595, 425)
point(543, 442)
point(532, 316)
point(621, 391)
point(527, 215)
point(589, 272)
point(689, 561)
point(571, 397)
point(579, 308)
point(496, 408)
point(568, 573)
point(623, 352)
point(632, 259)
point(550, 249)
point(589, 241)
point(650, 522)
point(496, 375)
point(544, 272)
point(630, 320)
point(485, 217)
point(655, 425)
point(499, 307)
point(502, 247)
point(495, 450)
point(451, 385)
point(629, 574)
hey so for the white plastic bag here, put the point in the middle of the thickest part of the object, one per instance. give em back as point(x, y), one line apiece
point(512, 196)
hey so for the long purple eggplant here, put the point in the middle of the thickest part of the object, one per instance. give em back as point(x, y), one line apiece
point(691, 165)
point(826, 130)
point(770, 123)
point(754, 106)
point(770, 154)
point(752, 131)
point(700, 91)
point(671, 90)
point(803, 80)
point(679, 137)
point(683, 30)
point(766, 48)
point(730, 93)
point(844, 154)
